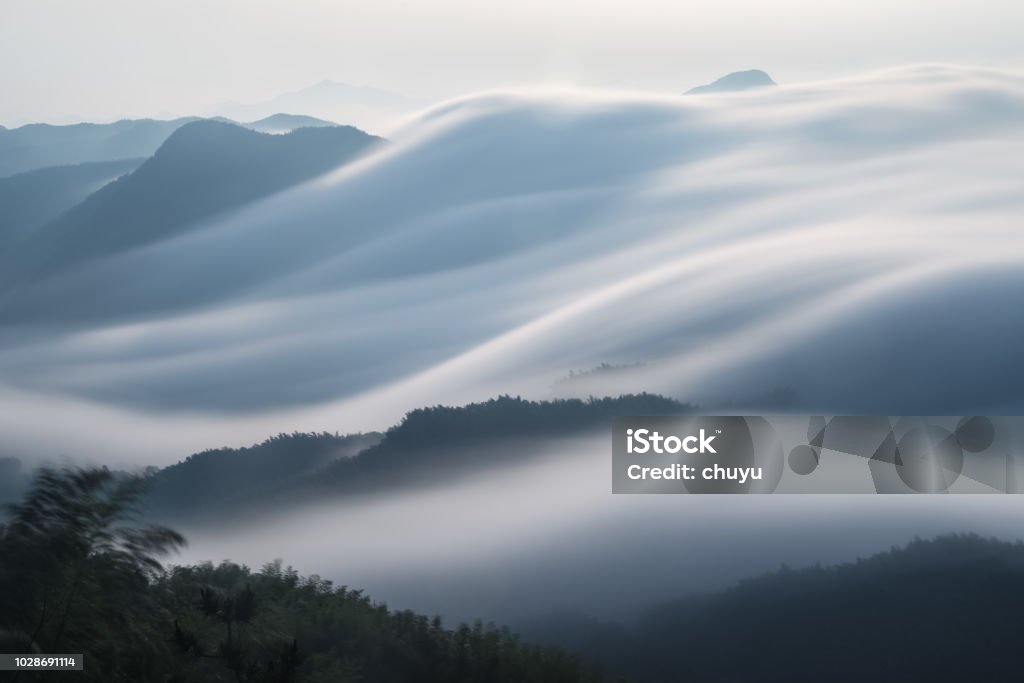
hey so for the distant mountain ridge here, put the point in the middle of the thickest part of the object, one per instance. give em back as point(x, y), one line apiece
point(369, 108)
point(428, 445)
point(735, 81)
point(216, 478)
point(38, 145)
point(286, 123)
point(30, 199)
point(880, 618)
point(203, 168)
point(41, 145)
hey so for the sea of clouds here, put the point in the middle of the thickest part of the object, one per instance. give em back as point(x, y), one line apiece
point(856, 243)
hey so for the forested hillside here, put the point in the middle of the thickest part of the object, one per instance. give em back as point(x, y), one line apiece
point(81, 573)
point(428, 445)
point(216, 479)
point(935, 610)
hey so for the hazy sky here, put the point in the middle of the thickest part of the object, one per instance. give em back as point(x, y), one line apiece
point(69, 60)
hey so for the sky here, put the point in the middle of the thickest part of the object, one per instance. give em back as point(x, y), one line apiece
point(67, 60)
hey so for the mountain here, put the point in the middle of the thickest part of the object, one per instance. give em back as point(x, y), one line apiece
point(30, 199)
point(80, 570)
point(709, 249)
point(879, 618)
point(285, 123)
point(41, 145)
point(429, 445)
point(203, 168)
point(38, 145)
point(736, 81)
point(206, 483)
point(368, 108)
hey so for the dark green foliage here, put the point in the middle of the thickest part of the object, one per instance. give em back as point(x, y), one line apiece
point(79, 574)
point(429, 445)
point(274, 621)
point(602, 370)
point(508, 416)
point(75, 571)
point(226, 477)
point(432, 444)
point(935, 610)
point(222, 632)
point(942, 610)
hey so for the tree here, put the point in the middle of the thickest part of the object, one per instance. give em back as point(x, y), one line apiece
point(75, 562)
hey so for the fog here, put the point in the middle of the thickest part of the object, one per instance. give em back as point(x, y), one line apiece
point(547, 536)
point(853, 241)
point(129, 59)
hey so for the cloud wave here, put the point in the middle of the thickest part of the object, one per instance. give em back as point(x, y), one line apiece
point(855, 241)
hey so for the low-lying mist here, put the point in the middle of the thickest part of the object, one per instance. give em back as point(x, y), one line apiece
point(525, 540)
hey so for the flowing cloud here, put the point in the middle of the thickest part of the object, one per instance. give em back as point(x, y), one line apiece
point(856, 241)
point(475, 548)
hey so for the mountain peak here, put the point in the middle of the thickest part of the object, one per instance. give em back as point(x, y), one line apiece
point(735, 81)
point(285, 123)
point(198, 138)
point(216, 165)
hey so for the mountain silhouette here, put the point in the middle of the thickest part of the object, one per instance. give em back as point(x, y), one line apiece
point(938, 610)
point(203, 168)
point(737, 80)
point(224, 477)
point(39, 145)
point(428, 445)
point(30, 199)
point(366, 107)
point(285, 123)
